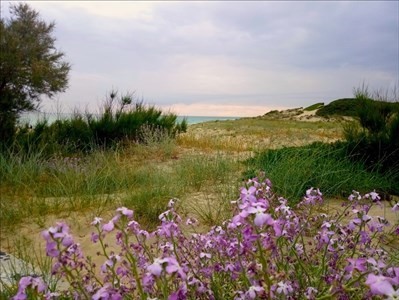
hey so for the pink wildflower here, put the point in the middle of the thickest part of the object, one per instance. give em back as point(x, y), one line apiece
point(260, 217)
point(379, 285)
point(248, 194)
point(126, 212)
point(109, 226)
point(96, 221)
point(253, 291)
point(284, 288)
point(156, 267)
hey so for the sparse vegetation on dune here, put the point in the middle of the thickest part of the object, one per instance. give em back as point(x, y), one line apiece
point(251, 134)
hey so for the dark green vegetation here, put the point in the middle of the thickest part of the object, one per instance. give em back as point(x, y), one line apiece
point(324, 166)
point(30, 66)
point(121, 122)
point(376, 140)
point(339, 107)
point(350, 107)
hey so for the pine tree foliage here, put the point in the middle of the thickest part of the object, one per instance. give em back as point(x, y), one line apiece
point(30, 65)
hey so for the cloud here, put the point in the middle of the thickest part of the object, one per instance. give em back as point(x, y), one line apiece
point(218, 110)
point(117, 10)
point(231, 54)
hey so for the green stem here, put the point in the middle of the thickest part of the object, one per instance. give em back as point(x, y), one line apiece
point(264, 264)
point(132, 261)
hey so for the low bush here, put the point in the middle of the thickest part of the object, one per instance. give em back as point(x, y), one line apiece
point(268, 249)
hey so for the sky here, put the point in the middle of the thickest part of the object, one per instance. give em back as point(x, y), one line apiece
point(211, 58)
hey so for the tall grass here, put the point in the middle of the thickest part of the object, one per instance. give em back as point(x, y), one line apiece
point(324, 166)
point(34, 186)
point(376, 140)
point(30, 261)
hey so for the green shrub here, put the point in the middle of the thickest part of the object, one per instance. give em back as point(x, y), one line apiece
point(73, 134)
point(120, 121)
point(340, 107)
point(376, 140)
point(124, 121)
point(351, 107)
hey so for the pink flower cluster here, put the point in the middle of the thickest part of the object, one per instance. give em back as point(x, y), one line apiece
point(267, 250)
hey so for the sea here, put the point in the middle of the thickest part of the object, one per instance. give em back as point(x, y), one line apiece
point(31, 118)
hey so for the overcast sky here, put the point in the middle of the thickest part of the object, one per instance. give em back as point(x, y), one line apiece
point(223, 58)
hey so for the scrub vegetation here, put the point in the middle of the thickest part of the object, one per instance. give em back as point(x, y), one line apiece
point(285, 168)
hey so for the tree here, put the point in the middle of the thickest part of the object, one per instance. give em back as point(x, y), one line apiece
point(30, 65)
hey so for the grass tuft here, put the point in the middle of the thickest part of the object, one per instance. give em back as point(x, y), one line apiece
point(323, 166)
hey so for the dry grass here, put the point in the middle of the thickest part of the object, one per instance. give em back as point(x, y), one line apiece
point(251, 134)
